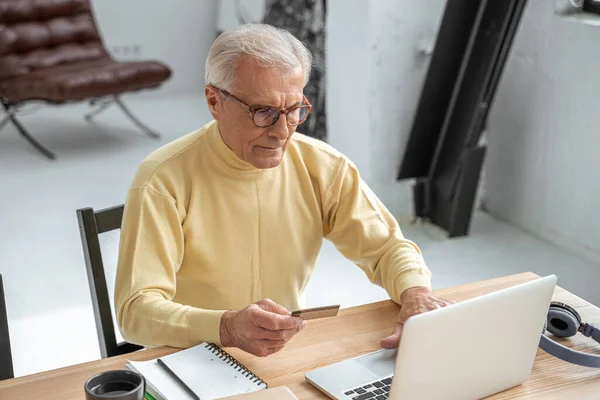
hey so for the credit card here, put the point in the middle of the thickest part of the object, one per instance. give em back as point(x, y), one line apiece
point(317, 312)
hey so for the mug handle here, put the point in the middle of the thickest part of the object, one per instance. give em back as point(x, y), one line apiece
point(143, 387)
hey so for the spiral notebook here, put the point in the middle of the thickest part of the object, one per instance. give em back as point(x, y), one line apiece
point(206, 369)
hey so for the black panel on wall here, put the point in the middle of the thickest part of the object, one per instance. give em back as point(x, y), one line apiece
point(444, 67)
point(443, 152)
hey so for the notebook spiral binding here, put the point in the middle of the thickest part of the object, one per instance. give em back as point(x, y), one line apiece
point(222, 354)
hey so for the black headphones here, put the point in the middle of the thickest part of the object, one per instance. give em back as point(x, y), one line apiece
point(564, 321)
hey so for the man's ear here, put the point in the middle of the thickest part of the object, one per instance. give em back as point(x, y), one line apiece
point(213, 100)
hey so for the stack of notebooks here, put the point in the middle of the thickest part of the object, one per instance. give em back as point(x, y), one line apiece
point(202, 372)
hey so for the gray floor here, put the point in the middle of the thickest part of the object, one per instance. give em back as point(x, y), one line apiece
point(47, 296)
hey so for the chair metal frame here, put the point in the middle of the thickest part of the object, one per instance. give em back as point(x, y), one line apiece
point(98, 105)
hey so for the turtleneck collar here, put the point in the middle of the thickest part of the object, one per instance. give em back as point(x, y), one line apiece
point(227, 158)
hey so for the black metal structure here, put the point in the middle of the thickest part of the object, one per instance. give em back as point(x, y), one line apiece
point(443, 152)
point(6, 366)
point(92, 224)
point(591, 6)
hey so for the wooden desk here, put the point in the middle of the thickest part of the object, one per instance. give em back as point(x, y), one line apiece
point(355, 331)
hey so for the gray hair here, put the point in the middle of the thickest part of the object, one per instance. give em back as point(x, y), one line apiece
point(270, 46)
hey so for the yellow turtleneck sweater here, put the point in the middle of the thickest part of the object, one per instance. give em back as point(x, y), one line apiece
point(204, 232)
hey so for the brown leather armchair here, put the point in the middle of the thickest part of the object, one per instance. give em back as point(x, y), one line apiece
point(51, 51)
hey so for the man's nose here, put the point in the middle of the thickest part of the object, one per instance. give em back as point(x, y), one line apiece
point(280, 129)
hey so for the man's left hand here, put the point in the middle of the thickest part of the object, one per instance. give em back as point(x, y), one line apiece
point(413, 301)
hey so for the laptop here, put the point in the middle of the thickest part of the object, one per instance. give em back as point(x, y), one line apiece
point(468, 350)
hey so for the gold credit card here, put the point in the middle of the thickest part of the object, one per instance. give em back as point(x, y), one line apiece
point(318, 312)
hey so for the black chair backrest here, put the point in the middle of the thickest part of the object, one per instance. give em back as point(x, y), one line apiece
point(6, 366)
point(91, 225)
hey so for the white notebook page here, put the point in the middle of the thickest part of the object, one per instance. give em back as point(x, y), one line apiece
point(167, 387)
point(210, 375)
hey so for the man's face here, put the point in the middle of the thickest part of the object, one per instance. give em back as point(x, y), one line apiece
point(257, 85)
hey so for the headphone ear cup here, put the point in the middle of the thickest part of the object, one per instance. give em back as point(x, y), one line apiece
point(561, 322)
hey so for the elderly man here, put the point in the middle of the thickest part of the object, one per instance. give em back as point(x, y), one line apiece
point(222, 227)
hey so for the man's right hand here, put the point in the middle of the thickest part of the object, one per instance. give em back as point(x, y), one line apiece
point(262, 328)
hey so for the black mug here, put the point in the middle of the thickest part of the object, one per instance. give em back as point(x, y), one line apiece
point(115, 385)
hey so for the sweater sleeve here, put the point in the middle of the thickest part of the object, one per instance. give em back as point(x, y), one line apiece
point(366, 233)
point(150, 254)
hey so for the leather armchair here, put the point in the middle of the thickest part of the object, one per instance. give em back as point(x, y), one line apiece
point(51, 51)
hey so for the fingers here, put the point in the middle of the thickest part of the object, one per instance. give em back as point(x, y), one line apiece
point(267, 347)
point(275, 322)
point(444, 301)
point(392, 341)
point(276, 317)
point(272, 344)
point(408, 309)
point(430, 303)
point(436, 304)
point(284, 334)
point(262, 328)
point(439, 302)
point(267, 342)
point(270, 305)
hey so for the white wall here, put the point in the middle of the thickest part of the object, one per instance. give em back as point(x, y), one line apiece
point(347, 98)
point(400, 33)
point(376, 67)
point(543, 164)
point(231, 11)
point(177, 32)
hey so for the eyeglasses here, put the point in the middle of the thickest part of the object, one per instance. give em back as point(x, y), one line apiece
point(264, 117)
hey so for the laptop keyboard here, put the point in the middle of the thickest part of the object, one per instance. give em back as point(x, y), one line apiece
point(378, 390)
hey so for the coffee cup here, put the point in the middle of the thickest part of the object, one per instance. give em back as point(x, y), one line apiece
point(115, 385)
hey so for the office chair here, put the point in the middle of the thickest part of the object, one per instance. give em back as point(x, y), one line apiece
point(91, 225)
point(6, 366)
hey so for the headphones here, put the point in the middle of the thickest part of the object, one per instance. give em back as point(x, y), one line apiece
point(564, 321)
